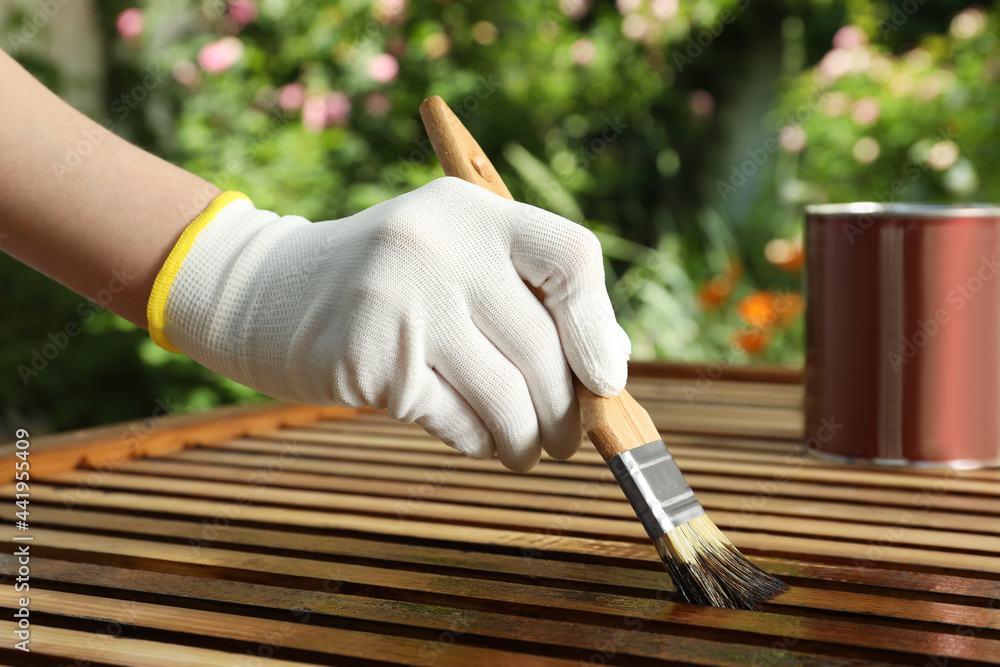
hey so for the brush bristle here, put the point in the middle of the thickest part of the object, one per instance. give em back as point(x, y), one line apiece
point(708, 570)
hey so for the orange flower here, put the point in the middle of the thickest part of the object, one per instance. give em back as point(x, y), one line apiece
point(785, 254)
point(751, 341)
point(792, 306)
point(758, 310)
point(763, 310)
point(715, 291)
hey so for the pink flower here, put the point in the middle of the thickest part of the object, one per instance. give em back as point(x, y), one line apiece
point(220, 55)
point(850, 37)
point(291, 96)
point(792, 138)
point(968, 23)
point(383, 68)
point(835, 64)
point(574, 9)
point(881, 67)
point(702, 103)
point(583, 51)
point(635, 27)
point(835, 104)
point(130, 23)
point(242, 11)
point(338, 108)
point(664, 9)
point(314, 113)
point(389, 11)
point(866, 111)
point(186, 73)
point(934, 84)
point(322, 111)
point(942, 155)
point(918, 59)
point(866, 150)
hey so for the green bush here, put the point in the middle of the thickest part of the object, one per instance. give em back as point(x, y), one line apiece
point(915, 126)
point(607, 113)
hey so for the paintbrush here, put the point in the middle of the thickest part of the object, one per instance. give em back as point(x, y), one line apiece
point(705, 566)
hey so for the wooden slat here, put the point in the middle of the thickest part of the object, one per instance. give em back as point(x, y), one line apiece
point(469, 559)
point(410, 435)
point(105, 648)
point(330, 459)
point(557, 602)
point(258, 632)
point(487, 625)
point(763, 376)
point(222, 531)
point(651, 391)
point(623, 527)
point(560, 535)
point(345, 445)
point(395, 436)
point(412, 494)
point(110, 446)
point(483, 564)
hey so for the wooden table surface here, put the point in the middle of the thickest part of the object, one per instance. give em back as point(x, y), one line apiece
point(344, 538)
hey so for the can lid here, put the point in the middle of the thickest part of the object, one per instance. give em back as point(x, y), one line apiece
point(906, 209)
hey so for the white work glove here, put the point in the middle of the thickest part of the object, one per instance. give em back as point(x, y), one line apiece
point(415, 305)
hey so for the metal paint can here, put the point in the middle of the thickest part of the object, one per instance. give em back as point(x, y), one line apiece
point(903, 333)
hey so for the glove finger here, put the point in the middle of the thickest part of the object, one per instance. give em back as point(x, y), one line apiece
point(566, 261)
point(495, 389)
point(415, 392)
point(523, 330)
point(446, 415)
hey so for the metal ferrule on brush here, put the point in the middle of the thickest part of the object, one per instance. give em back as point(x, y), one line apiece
point(655, 487)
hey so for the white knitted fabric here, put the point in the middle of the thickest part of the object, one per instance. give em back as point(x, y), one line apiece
point(417, 306)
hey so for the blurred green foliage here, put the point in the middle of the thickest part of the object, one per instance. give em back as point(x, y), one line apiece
point(915, 126)
point(623, 116)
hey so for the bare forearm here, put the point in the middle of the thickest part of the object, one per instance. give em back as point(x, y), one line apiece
point(82, 205)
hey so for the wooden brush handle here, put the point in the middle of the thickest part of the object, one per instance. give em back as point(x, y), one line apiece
point(456, 150)
point(616, 424)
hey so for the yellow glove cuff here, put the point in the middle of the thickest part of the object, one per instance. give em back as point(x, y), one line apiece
point(157, 306)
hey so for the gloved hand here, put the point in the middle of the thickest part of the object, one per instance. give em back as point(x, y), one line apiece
point(415, 305)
